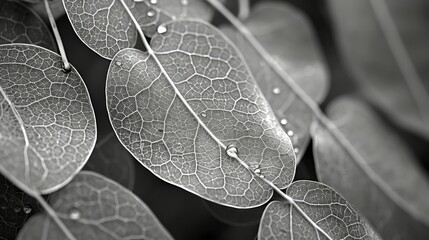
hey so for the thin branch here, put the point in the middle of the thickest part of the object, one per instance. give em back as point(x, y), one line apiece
point(51, 212)
point(402, 58)
point(66, 64)
point(322, 119)
point(243, 9)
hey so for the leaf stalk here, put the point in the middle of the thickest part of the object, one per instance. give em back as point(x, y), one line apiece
point(66, 64)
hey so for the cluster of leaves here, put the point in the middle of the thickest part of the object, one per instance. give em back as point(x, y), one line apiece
point(225, 112)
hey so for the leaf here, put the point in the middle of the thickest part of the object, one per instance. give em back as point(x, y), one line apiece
point(47, 124)
point(105, 27)
point(386, 184)
point(393, 78)
point(113, 161)
point(178, 120)
point(19, 24)
point(328, 209)
point(15, 208)
point(56, 6)
point(95, 207)
point(290, 40)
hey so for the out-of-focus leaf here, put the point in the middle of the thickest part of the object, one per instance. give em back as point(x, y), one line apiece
point(287, 36)
point(15, 208)
point(390, 75)
point(234, 216)
point(112, 160)
point(94, 207)
point(322, 204)
point(19, 24)
point(47, 124)
point(56, 6)
point(178, 120)
point(105, 27)
point(386, 184)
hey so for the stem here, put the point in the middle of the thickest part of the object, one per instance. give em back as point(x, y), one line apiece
point(401, 56)
point(66, 64)
point(243, 9)
point(54, 216)
point(308, 101)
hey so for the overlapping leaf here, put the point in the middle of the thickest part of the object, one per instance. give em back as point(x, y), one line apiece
point(15, 208)
point(325, 207)
point(386, 184)
point(95, 207)
point(105, 27)
point(178, 119)
point(386, 50)
point(19, 24)
point(47, 124)
point(287, 36)
point(112, 160)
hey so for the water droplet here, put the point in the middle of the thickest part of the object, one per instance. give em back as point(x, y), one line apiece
point(74, 214)
point(153, 2)
point(16, 209)
point(184, 2)
point(290, 133)
point(276, 91)
point(150, 13)
point(27, 209)
point(261, 176)
point(296, 150)
point(283, 122)
point(118, 63)
point(232, 151)
point(162, 29)
point(203, 115)
point(257, 171)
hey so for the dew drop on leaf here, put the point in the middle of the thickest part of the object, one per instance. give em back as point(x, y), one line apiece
point(257, 171)
point(27, 209)
point(184, 2)
point(231, 150)
point(162, 29)
point(296, 150)
point(283, 122)
point(276, 91)
point(16, 209)
point(290, 133)
point(203, 115)
point(118, 63)
point(74, 214)
point(153, 1)
point(150, 13)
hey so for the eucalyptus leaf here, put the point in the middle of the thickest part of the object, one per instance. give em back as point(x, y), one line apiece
point(19, 24)
point(384, 44)
point(286, 34)
point(112, 160)
point(386, 184)
point(177, 113)
point(105, 27)
point(95, 207)
point(325, 207)
point(47, 124)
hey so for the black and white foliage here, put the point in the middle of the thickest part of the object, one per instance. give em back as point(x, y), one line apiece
point(221, 106)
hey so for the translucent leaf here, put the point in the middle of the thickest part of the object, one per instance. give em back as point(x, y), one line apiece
point(178, 120)
point(95, 207)
point(328, 209)
point(15, 208)
point(19, 24)
point(47, 122)
point(287, 36)
point(394, 77)
point(112, 160)
point(105, 27)
point(386, 184)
